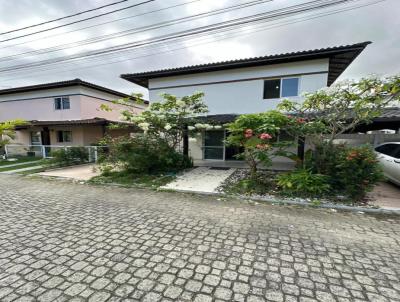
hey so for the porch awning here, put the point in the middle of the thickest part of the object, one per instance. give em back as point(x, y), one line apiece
point(92, 122)
point(219, 119)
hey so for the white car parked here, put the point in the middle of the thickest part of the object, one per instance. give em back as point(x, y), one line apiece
point(389, 157)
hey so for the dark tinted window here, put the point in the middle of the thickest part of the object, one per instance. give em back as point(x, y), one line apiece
point(396, 154)
point(65, 103)
point(389, 149)
point(213, 153)
point(272, 89)
point(61, 103)
point(58, 103)
point(214, 138)
point(64, 136)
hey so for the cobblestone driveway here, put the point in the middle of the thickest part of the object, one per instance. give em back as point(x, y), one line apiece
point(62, 241)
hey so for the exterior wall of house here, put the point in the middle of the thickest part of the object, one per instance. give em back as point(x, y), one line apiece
point(91, 100)
point(241, 90)
point(84, 135)
point(90, 107)
point(23, 137)
point(81, 135)
point(195, 147)
point(39, 105)
point(120, 132)
point(84, 104)
point(92, 134)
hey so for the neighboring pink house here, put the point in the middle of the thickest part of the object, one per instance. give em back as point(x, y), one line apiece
point(63, 113)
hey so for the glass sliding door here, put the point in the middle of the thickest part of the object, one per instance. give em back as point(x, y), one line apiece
point(214, 144)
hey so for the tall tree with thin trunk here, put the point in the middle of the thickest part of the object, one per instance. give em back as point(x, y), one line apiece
point(7, 131)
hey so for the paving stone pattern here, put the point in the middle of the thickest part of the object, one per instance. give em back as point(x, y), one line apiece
point(69, 242)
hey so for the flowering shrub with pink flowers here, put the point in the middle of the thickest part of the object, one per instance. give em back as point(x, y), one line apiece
point(258, 135)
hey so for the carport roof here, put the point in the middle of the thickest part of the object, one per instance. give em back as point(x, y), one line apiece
point(390, 118)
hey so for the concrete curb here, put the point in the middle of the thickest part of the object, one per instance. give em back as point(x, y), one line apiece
point(55, 168)
point(340, 207)
point(294, 202)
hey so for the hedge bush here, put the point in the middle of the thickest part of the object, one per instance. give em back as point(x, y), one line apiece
point(143, 155)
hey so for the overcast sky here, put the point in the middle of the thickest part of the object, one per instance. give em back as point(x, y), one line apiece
point(379, 23)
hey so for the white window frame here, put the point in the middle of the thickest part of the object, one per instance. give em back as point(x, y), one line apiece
point(61, 98)
point(281, 86)
point(40, 138)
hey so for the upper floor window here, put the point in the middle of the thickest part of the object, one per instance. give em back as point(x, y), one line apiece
point(278, 88)
point(61, 103)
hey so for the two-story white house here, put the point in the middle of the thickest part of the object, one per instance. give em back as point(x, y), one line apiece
point(63, 113)
point(247, 86)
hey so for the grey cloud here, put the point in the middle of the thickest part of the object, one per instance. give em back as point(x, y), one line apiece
point(378, 23)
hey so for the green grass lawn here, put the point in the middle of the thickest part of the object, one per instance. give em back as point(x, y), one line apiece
point(19, 160)
point(130, 180)
point(20, 164)
point(33, 171)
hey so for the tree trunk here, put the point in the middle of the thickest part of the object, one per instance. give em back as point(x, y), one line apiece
point(252, 164)
point(300, 149)
point(185, 141)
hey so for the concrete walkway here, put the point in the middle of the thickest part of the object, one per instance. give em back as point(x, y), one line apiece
point(201, 179)
point(82, 172)
point(386, 195)
point(279, 165)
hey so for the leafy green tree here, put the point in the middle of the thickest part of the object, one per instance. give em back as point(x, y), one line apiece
point(257, 134)
point(164, 125)
point(7, 131)
point(342, 107)
point(168, 120)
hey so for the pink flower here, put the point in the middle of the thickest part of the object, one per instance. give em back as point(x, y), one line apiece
point(265, 136)
point(248, 133)
point(301, 120)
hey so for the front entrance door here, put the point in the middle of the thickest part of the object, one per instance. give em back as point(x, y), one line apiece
point(214, 147)
point(45, 136)
point(214, 144)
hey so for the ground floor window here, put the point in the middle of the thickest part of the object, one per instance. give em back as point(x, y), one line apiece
point(36, 138)
point(64, 136)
